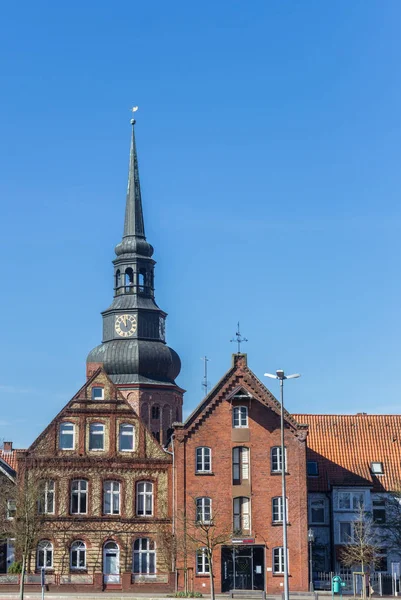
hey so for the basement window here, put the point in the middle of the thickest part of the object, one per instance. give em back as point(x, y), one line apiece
point(376, 468)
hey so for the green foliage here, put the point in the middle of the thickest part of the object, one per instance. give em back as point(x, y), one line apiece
point(15, 568)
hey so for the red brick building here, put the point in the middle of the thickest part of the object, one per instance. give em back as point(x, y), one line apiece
point(228, 471)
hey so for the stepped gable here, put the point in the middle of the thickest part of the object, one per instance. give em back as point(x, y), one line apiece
point(344, 446)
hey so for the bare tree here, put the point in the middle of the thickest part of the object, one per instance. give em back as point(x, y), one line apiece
point(363, 546)
point(202, 528)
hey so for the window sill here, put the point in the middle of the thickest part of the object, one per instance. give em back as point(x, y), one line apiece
point(280, 575)
point(280, 524)
point(202, 473)
point(78, 571)
point(200, 575)
point(279, 473)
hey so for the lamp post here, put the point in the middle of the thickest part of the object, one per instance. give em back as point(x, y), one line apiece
point(311, 539)
point(281, 376)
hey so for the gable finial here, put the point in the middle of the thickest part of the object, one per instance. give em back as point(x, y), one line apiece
point(239, 339)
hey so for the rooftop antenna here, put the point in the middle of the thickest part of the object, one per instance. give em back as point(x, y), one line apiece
point(205, 383)
point(239, 339)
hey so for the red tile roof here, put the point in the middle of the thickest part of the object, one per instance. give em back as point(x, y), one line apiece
point(10, 458)
point(344, 446)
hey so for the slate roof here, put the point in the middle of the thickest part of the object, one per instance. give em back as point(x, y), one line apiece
point(344, 446)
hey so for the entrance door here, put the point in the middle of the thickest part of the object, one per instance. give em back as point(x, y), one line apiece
point(111, 563)
point(242, 568)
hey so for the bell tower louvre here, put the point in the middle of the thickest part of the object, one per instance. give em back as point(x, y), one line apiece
point(133, 351)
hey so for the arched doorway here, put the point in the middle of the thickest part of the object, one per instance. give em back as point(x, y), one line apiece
point(111, 563)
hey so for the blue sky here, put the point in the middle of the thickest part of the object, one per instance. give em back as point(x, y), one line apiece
point(268, 138)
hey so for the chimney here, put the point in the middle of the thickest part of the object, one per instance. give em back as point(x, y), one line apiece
point(8, 446)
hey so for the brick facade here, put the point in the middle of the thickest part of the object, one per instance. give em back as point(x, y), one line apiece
point(211, 426)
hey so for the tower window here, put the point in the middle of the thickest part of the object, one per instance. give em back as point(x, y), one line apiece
point(118, 278)
point(129, 281)
point(155, 412)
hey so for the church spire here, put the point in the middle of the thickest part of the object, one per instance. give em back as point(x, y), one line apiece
point(133, 224)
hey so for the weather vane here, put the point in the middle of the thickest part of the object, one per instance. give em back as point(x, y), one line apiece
point(133, 110)
point(239, 338)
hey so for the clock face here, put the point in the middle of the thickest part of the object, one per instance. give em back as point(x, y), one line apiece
point(125, 325)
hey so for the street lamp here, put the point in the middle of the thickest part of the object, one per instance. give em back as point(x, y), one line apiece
point(281, 376)
point(311, 539)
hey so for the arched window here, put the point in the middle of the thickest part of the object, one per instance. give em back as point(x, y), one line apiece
point(44, 555)
point(142, 280)
point(144, 498)
point(111, 498)
point(126, 437)
point(276, 459)
point(79, 496)
point(240, 464)
point(203, 460)
point(240, 416)
point(66, 436)
point(203, 510)
point(96, 436)
point(129, 281)
point(118, 279)
point(144, 556)
point(78, 555)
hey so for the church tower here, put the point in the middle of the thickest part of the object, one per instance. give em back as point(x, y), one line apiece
point(133, 351)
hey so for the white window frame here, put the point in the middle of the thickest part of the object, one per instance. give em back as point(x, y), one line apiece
point(277, 508)
point(240, 463)
point(323, 503)
point(203, 456)
point(81, 492)
point(354, 500)
point(11, 509)
point(202, 562)
point(47, 496)
point(376, 468)
point(71, 432)
point(279, 552)
point(111, 491)
point(79, 548)
point(97, 387)
point(242, 513)
point(204, 510)
point(123, 434)
point(142, 496)
point(240, 417)
point(276, 450)
point(44, 547)
point(144, 546)
point(93, 432)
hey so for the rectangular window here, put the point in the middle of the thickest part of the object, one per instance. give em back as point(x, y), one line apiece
point(276, 460)
point(202, 562)
point(111, 498)
point(346, 533)
point(312, 468)
point(203, 460)
point(240, 416)
point(381, 557)
point(317, 511)
point(11, 509)
point(66, 436)
point(376, 468)
point(350, 500)
point(278, 560)
point(203, 510)
point(46, 497)
point(79, 491)
point(96, 436)
point(126, 437)
point(240, 464)
point(241, 514)
point(277, 509)
point(97, 393)
point(379, 511)
point(144, 498)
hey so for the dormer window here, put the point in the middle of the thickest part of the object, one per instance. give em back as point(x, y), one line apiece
point(376, 468)
point(97, 393)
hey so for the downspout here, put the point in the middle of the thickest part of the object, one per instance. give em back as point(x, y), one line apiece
point(173, 566)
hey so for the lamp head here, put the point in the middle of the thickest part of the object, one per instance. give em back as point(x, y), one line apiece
point(280, 374)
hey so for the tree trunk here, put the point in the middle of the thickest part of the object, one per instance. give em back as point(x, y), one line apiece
point(22, 580)
point(212, 594)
